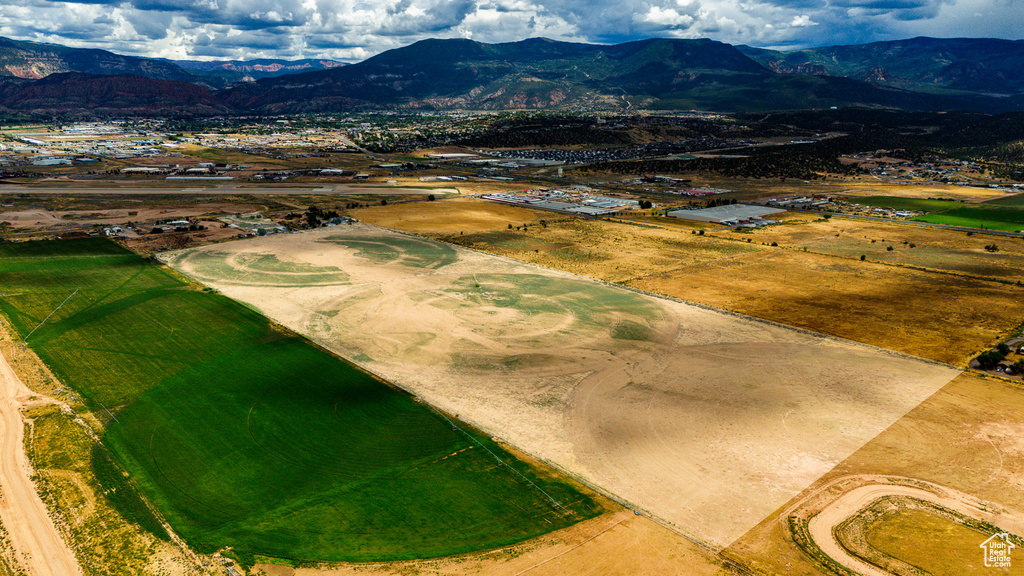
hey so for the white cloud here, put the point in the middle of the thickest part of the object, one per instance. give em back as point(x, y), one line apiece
point(667, 17)
point(355, 29)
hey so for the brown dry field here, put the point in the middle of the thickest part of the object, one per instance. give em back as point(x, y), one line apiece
point(449, 216)
point(969, 193)
point(935, 249)
point(968, 436)
point(594, 379)
point(935, 315)
point(610, 545)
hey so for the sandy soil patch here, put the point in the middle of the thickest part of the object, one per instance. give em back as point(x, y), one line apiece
point(706, 421)
point(38, 545)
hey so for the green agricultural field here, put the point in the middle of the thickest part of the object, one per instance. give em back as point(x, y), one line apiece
point(247, 436)
point(1015, 201)
point(898, 203)
point(1006, 214)
point(1006, 219)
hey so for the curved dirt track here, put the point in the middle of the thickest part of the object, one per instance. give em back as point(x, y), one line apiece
point(39, 547)
point(849, 504)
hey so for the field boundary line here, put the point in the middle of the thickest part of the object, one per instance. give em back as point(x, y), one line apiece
point(556, 503)
point(25, 339)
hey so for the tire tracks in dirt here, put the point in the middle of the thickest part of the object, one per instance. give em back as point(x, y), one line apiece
point(823, 524)
point(38, 545)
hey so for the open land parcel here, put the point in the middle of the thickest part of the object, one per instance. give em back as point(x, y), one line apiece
point(244, 435)
point(598, 377)
point(628, 253)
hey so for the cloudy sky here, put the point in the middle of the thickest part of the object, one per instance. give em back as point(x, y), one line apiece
point(351, 30)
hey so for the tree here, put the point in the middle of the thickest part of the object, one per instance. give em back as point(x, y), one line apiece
point(988, 359)
point(1016, 368)
point(431, 197)
point(383, 202)
point(863, 257)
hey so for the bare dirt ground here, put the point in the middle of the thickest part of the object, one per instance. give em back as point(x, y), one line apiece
point(38, 545)
point(611, 545)
point(38, 217)
point(706, 421)
point(966, 438)
point(149, 243)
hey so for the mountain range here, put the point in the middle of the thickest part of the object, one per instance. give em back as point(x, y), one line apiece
point(918, 74)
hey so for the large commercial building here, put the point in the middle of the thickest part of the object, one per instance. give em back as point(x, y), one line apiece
point(728, 215)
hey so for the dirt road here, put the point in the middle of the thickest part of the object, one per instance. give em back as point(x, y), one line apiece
point(822, 525)
point(39, 547)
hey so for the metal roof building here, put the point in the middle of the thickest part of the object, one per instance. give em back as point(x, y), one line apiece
point(728, 213)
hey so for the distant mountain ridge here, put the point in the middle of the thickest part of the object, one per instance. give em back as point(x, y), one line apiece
point(249, 70)
point(35, 60)
point(918, 75)
point(980, 65)
point(541, 73)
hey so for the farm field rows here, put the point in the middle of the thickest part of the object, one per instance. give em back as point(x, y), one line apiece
point(591, 377)
point(245, 435)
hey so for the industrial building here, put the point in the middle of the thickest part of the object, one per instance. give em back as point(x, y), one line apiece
point(728, 215)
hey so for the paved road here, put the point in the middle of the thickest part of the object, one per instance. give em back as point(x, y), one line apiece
point(38, 546)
